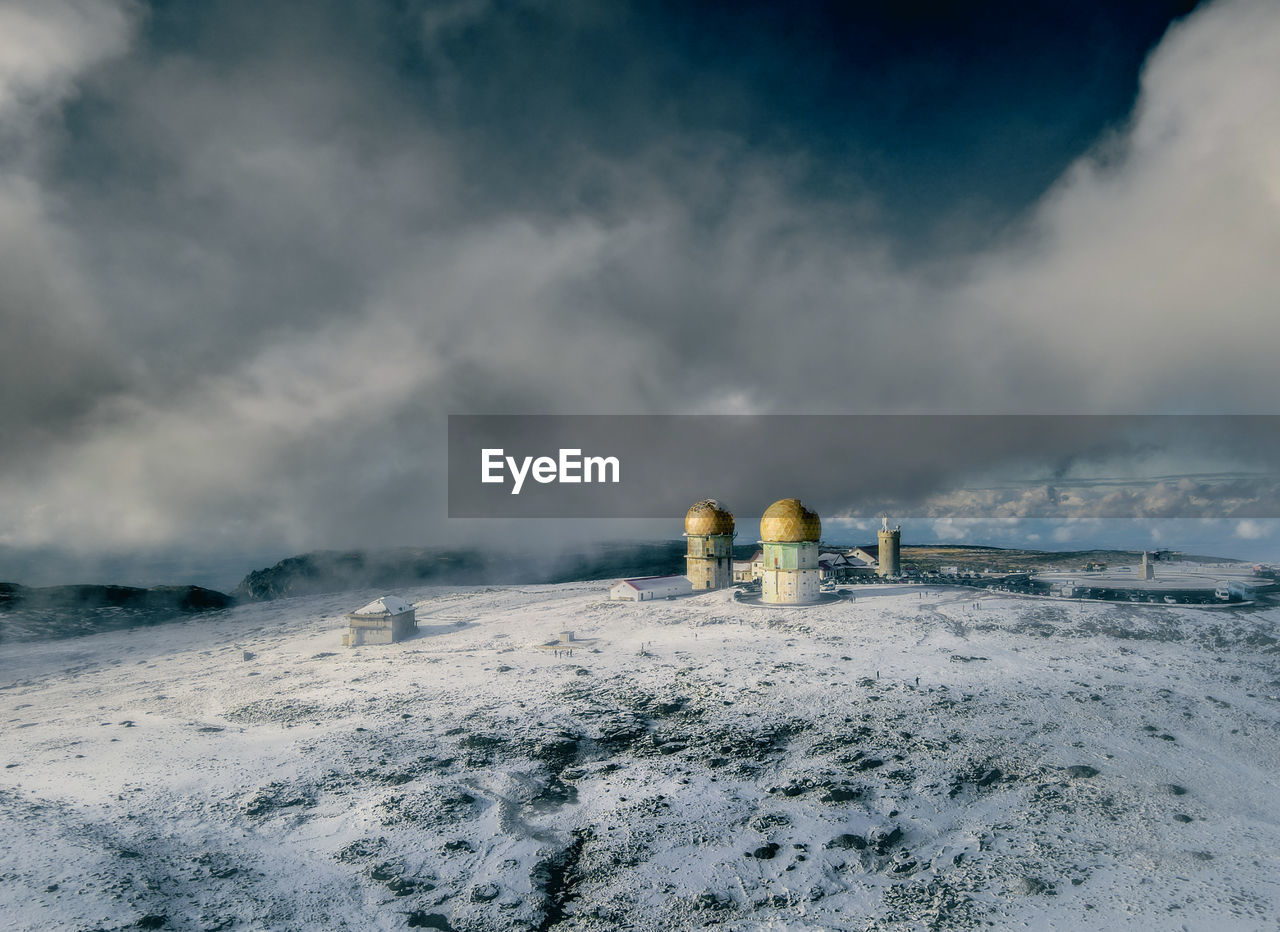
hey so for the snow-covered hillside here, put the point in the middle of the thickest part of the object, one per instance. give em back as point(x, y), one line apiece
point(704, 763)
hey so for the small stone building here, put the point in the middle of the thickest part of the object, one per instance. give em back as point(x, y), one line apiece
point(382, 621)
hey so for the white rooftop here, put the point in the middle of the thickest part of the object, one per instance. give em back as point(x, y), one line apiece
point(387, 605)
point(643, 583)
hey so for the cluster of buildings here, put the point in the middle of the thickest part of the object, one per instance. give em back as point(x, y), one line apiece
point(1176, 583)
point(790, 565)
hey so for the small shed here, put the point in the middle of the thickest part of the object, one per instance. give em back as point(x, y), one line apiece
point(644, 588)
point(382, 621)
point(566, 642)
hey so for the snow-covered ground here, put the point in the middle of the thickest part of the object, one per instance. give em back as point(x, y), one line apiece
point(1059, 765)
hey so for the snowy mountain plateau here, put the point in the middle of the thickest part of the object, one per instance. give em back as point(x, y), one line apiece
point(913, 759)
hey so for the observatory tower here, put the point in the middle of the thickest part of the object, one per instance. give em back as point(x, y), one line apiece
point(889, 552)
point(789, 535)
point(708, 529)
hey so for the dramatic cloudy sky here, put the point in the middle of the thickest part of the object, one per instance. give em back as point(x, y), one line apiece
point(252, 253)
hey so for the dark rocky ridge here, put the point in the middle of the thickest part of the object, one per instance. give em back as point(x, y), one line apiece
point(28, 613)
point(156, 598)
point(333, 571)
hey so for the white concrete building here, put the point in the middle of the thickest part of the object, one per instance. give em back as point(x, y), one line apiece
point(645, 588)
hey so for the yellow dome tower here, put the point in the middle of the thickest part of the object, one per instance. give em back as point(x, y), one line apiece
point(789, 535)
point(708, 528)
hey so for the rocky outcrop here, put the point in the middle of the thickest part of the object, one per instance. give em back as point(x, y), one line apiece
point(30, 613)
point(184, 599)
point(334, 571)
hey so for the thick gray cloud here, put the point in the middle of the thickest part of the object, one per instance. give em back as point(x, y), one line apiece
point(57, 357)
point(246, 276)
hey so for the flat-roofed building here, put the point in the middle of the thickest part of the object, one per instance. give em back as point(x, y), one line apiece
point(646, 588)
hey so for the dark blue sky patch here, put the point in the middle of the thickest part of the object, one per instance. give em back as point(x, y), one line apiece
point(947, 115)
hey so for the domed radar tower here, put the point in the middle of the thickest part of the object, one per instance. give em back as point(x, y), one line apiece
point(890, 549)
point(789, 535)
point(708, 530)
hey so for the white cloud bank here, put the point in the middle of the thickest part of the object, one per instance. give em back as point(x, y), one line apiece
point(1147, 278)
point(46, 45)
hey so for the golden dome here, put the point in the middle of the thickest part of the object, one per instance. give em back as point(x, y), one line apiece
point(787, 520)
point(708, 517)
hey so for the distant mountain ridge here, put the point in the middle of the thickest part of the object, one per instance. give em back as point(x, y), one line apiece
point(36, 613)
point(155, 598)
point(332, 570)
